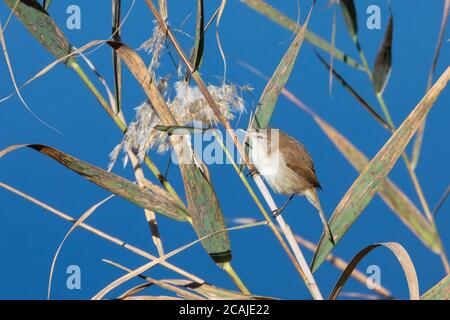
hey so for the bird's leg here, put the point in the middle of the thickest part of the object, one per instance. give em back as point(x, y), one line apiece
point(278, 211)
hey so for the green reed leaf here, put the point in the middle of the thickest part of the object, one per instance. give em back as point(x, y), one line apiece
point(400, 204)
point(350, 17)
point(155, 198)
point(279, 79)
point(35, 18)
point(441, 291)
point(276, 16)
point(371, 178)
point(207, 217)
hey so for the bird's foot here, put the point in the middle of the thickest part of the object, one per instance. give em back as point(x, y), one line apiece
point(276, 213)
point(252, 172)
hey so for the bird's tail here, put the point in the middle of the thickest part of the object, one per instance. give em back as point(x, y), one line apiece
point(313, 198)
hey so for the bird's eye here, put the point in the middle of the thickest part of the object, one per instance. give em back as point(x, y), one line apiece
point(260, 136)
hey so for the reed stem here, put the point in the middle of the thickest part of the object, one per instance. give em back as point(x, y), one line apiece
point(233, 275)
point(299, 260)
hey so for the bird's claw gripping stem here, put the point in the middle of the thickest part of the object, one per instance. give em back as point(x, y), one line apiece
point(252, 172)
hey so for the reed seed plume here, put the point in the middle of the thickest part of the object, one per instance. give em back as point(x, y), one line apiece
point(188, 107)
point(154, 46)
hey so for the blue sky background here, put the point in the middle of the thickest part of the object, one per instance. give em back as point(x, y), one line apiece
point(29, 235)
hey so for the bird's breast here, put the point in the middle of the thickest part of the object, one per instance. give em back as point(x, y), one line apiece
point(272, 166)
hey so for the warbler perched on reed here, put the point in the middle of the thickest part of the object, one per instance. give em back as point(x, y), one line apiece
point(286, 166)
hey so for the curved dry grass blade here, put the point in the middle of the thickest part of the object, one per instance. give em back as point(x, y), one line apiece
point(350, 18)
point(13, 9)
point(383, 62)
point(129, 294)
point(162, 284)
point(50, 66)
point(102, 234)
point(341, 264)
point(355, 94)
point(269, 97)
point(207, 217)
point(41, 25)
point(402, 256)
point(13, 79)
point(420, 132)
point(371, 178)
point(144, 268)
point(441, 291)
point(333, 260)
point(284, 21)
point(219, 44)
point(212, 292)
point(156, 198)
point(83, 218)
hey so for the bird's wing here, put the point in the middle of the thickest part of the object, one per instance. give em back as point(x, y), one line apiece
point(303, 165)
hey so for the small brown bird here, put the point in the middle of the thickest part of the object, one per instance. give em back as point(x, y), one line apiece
point(286, 166)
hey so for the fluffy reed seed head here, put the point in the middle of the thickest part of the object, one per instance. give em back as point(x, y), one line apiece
point(187, 106)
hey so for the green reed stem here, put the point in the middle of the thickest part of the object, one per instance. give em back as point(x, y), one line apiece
point(233, 275)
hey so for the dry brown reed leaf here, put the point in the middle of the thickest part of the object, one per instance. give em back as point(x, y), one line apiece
point(153, 197)
point(212, 292)
point(402, 256)
point(335, 261)
point(160, 283)
point(83, 217)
